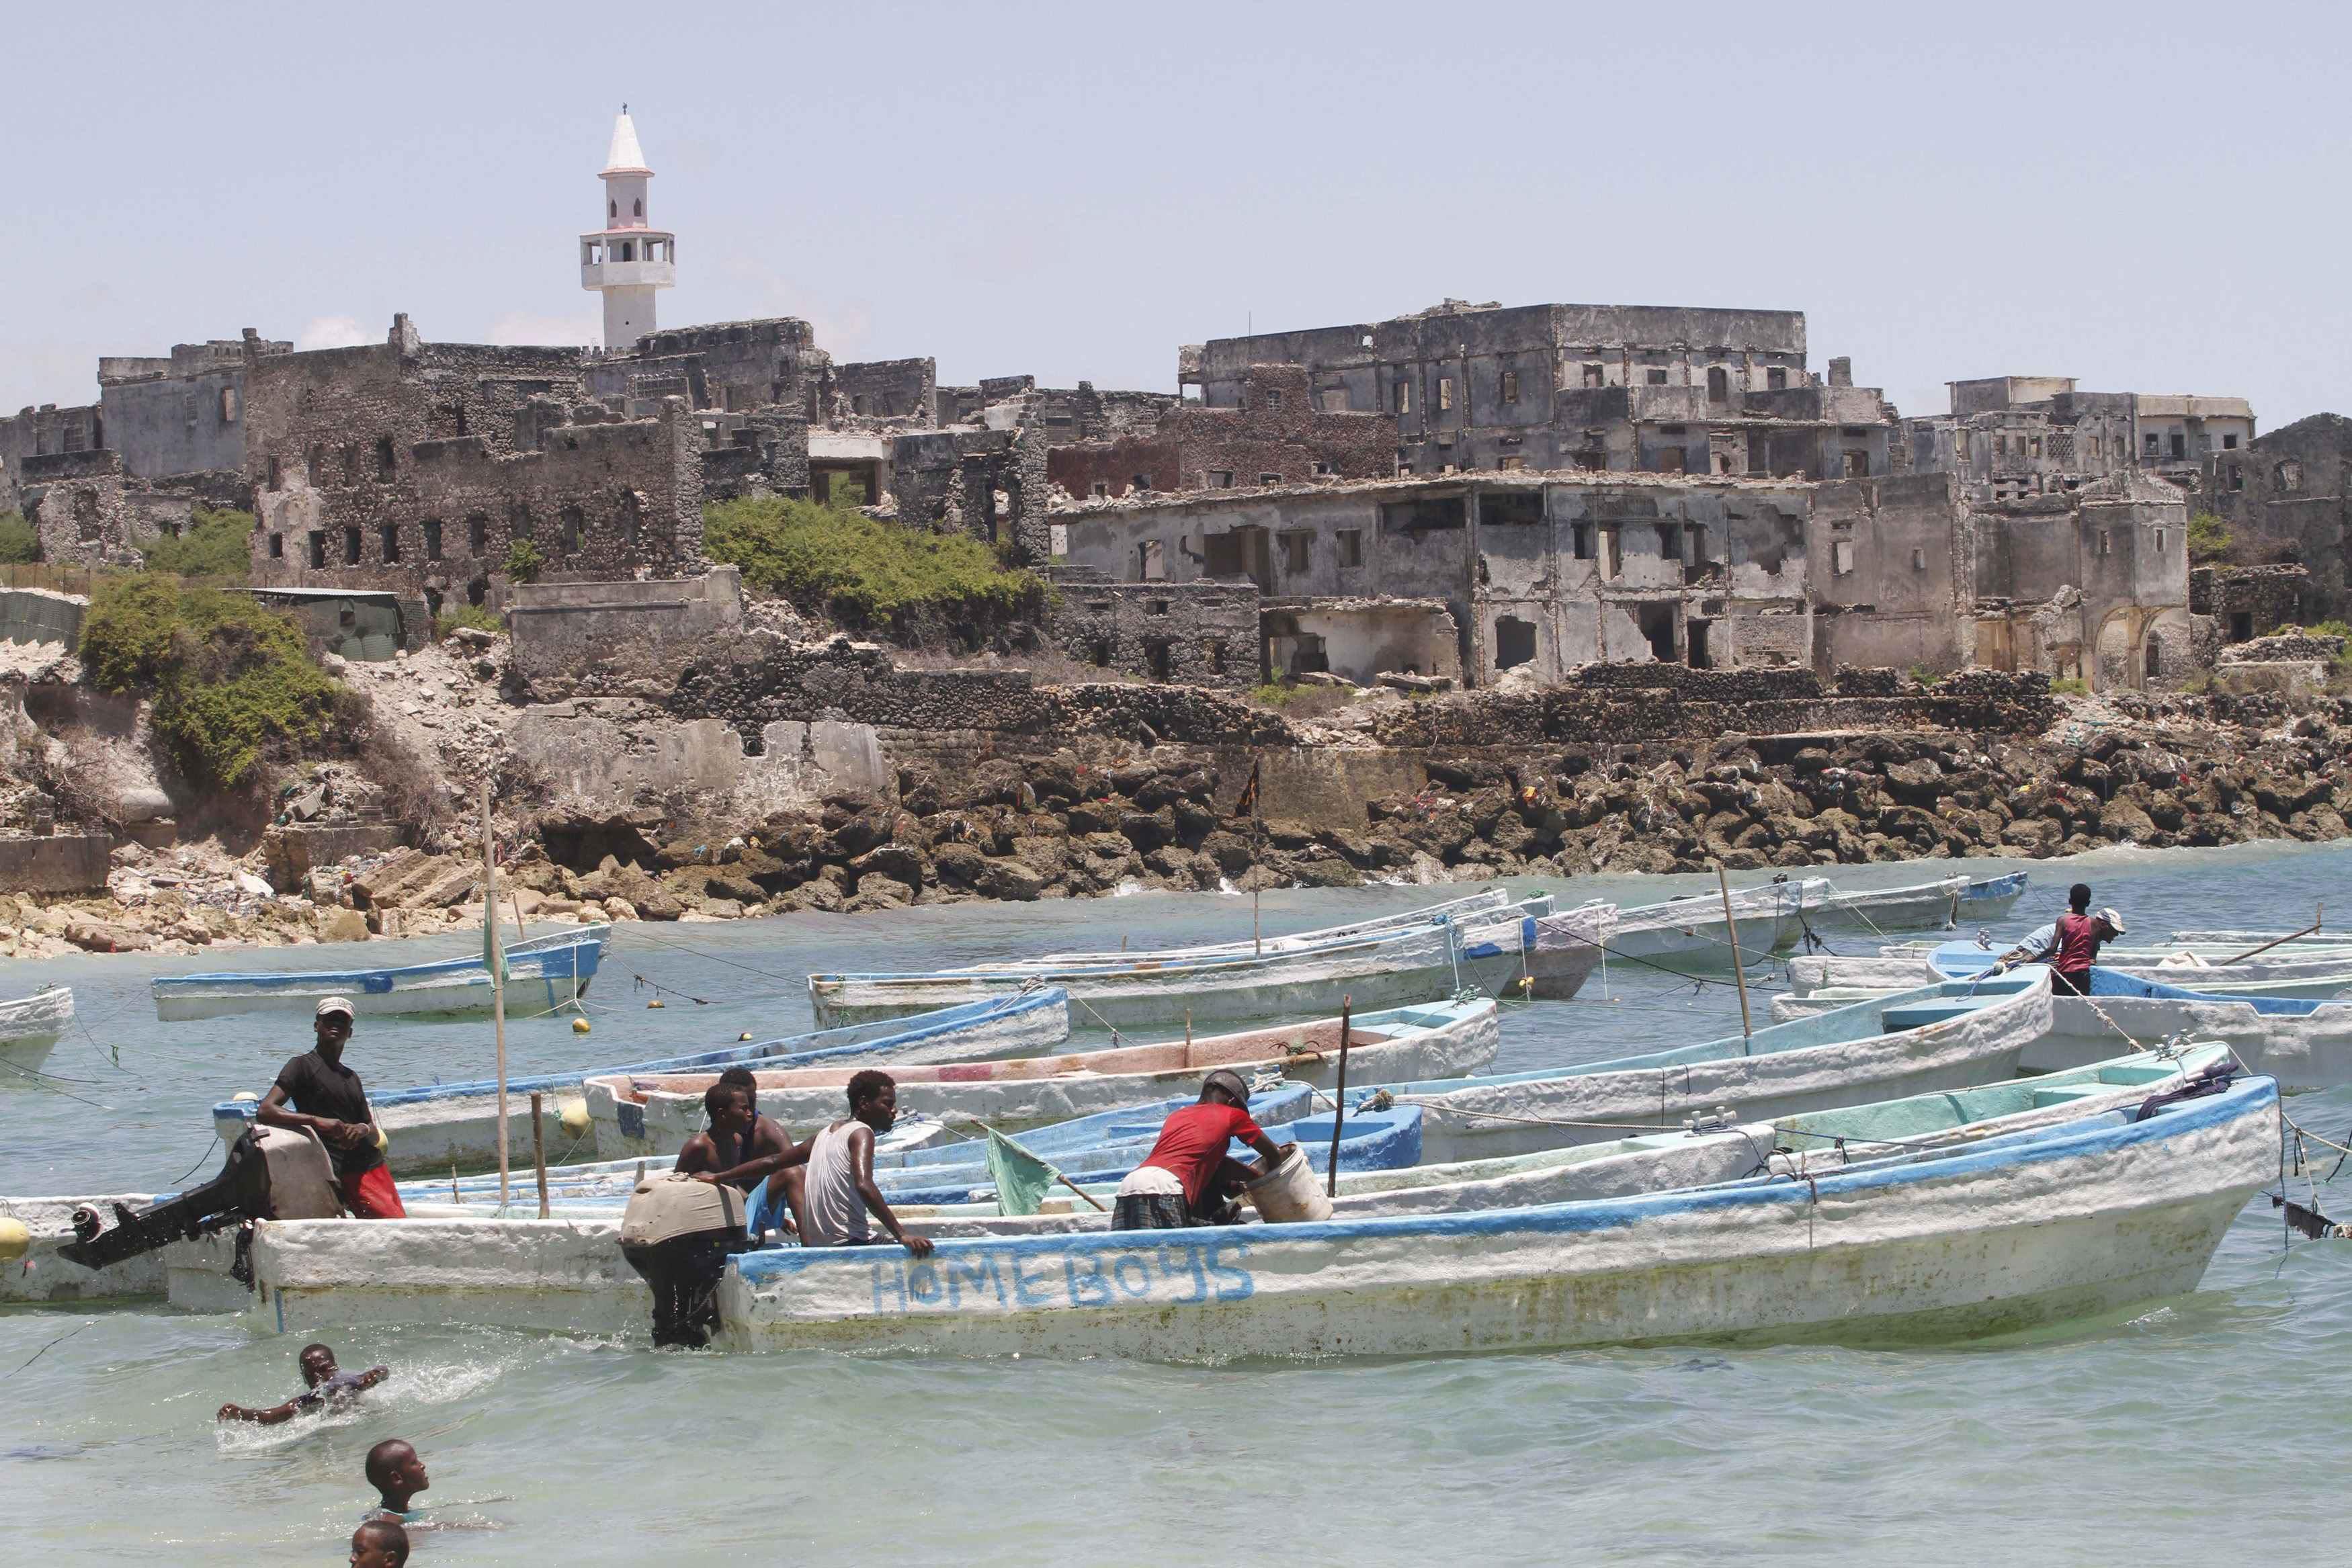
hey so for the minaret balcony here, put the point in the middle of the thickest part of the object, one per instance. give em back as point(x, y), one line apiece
point(628, 273)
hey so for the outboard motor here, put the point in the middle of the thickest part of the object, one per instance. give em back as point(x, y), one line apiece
point(677, 1233)
point(273, 1173)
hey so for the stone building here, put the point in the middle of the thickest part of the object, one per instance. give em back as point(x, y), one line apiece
point(1634, 388)
point(2012, 437)
point(2243, 603)
point(1273, 435)
point(2287, 496)
point(421, 466)
point(1547, 571)
point(182, 413)
point(47, 431)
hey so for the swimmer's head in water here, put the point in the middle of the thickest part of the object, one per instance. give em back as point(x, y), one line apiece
point(394, 1470)
point(318, 1364)
point(379, 1543)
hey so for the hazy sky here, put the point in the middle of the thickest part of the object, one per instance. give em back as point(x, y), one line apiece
point(2148, 199)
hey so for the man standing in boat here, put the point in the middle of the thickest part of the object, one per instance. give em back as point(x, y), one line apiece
point(1188, 1178)
point(327, 1097)
point(2070, 945)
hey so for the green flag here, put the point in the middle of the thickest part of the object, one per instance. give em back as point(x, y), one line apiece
point(1022, 1178)
point(493, 959)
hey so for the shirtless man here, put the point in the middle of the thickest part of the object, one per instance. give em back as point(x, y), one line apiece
point(323, 1383)
point(397, 1474)
point(762, 1160)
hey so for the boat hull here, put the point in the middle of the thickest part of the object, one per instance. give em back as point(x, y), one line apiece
point(431, 1129)
point(2075, 1221)
point(29, 1031)
point(543, 976)
point(657, 1120)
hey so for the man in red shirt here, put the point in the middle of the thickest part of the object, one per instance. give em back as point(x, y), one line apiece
point(1188, 1178)
point(2070, 945)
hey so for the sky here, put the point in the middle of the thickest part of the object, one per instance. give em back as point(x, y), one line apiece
point(2148, 200)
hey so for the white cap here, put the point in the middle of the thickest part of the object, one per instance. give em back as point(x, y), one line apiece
point(2114, 922)
point(336, 1005)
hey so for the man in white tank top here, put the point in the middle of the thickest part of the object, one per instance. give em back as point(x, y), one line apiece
point(839, 1191)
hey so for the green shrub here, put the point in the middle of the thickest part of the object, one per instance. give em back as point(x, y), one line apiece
point(2208, 539)
point(217, 544)
point(523, 561)
point(19, 545)
point(1922, 676)
point(472, 615)
point(2069, 686)
point(228, 677)
point(859, 569)
point(1274, 694)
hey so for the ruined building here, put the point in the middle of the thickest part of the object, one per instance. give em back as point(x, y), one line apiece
point(1273, 435)
point(2012, 437)
point(417, 466)
point(1473, 575)
point(1629, 389)
point(2287, 497)
point(166, 436)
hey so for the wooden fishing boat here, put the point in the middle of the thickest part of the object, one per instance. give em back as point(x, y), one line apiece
point(2311, 974)
point(1655, 1162)
point(1485, 901)
point(656, 1114)
point(1944, 1036)
point(29, 1027)
point(1380, 968)
point(544, 973)
point(2006, 1233)
point(1944, 904)
point(433, 1128)
point(1692, 936)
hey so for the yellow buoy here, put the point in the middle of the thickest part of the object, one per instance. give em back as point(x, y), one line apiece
point(244, 1095)
point(382, 1141)
point(580, 1026)
point(655, 1003)
point(15, 1240)
point(745, 1035)
point(575, 1117)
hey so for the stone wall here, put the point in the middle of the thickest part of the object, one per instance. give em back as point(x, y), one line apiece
point(578, 638)
point(1276, 434)
point(43, 432)
point(883, 389)
point(39, 615)
point(88, 514)
point(1199, 634)
point(62, 863)
point(738, 365)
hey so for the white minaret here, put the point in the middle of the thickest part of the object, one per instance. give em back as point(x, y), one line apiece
point(625, 261)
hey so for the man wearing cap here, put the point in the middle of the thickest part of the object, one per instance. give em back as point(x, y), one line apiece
point(1188, 1178)
point(326, 1098)
point(2070, 945)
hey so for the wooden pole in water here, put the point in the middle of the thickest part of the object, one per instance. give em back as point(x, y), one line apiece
point(1338, 1103)
point(1738, 970)
point(491, 956)
point(539, 1153)
point(2274, 942)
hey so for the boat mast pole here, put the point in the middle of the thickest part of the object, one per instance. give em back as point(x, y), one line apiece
point(497, 979)
point(1738, 970)
point(1338, 1103)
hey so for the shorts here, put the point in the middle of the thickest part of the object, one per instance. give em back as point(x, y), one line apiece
point(1149, 1211)
point(369, 1195)
point(2065, 985)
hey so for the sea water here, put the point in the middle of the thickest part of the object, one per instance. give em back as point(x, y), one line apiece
point(2204, 1428)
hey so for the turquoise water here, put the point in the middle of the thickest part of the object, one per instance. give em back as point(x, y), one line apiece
point(2204, 1428)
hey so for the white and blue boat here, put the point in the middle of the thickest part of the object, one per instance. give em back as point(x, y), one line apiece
point(1381, 967)
point(544, 974)
point(434, 1128)
point(1944, 904)
point(2004, 1233)
point(29, 1027)
point(1943, 1036)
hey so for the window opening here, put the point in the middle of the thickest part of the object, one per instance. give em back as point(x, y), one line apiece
point(1515, 642)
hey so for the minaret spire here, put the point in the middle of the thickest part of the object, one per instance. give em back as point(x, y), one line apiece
point(628, 260)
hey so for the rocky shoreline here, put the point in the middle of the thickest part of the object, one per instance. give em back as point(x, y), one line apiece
point(2156, 772)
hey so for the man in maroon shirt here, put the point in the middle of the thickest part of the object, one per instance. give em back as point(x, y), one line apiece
point(2070, 945)
point(1188, 1178)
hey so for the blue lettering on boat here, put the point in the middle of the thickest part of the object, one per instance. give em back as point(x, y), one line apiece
point(1031, 1289)
point(980, 1273)
point(1184, 1275)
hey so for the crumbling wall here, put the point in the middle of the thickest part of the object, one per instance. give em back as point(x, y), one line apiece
point(44, 431)
point(578, 638)
point(1275, 434)
point(731, 365)
point(883, 389)
point(2250, 601)
point(87, 514)
point(1194, 633)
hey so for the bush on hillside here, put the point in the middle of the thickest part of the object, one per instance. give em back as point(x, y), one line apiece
point(2208, 539)
point(862, 572)
point(469, 615)
point(217, 544)
point(19, 545)
point(229, 678)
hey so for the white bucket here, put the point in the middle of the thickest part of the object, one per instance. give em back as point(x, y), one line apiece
point(1290, 1191)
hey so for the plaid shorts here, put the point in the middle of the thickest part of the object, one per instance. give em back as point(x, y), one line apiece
point(1149, 1211)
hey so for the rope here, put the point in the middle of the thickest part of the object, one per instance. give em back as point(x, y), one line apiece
point(48, 1347)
